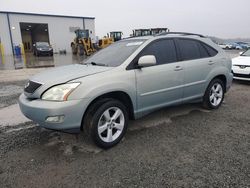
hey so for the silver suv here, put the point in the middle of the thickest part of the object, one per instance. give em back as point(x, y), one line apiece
point(128, 80)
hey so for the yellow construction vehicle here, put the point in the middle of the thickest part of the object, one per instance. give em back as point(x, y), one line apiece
point(147, 32)
point(116, 35)
point(104, 42)
point(155, 31)
point(82, 44)
point(141, 32)
point(111, 37)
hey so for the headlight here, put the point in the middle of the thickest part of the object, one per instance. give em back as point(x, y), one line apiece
point(60, 92)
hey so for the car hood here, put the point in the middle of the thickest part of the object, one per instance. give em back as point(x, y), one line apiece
point(67, 73)
point(60, 75)
point(241, 60)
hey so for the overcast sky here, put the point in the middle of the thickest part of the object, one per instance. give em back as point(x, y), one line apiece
point(221, 18)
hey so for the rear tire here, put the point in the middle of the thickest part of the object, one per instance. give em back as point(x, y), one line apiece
point(214, 94)
point(106, 123)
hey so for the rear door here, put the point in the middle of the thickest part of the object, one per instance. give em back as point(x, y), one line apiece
point(198, 63)
point(159, 85)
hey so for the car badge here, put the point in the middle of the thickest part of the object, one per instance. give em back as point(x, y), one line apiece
point(242, 66)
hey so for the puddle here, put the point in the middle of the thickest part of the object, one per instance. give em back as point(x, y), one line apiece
point(31, 61)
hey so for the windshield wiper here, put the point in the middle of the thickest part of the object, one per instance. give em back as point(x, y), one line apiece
point(97, 64)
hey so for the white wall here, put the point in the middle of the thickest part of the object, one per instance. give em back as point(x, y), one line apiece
point(4, 34)
point(90, 25)
point(59, 33)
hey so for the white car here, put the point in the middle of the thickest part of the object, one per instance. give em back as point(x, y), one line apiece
point(241, 66)
point(223, 46)
point(229, 47)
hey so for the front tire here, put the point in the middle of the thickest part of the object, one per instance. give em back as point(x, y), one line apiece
point(80, 50)
point(74, 49)
point(106, 123)
point(214, 94)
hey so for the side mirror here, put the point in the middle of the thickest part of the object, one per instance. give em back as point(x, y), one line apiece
point(146, 61)
point(240, 53)
point(34, 45)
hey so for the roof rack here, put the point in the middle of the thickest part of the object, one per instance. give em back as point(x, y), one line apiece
point(179, 33)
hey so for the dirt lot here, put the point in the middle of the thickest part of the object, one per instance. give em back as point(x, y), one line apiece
point(184, 146)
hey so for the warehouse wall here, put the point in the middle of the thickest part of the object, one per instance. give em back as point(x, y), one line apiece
point(60, 35)
point(4, 34)
point(90, 24)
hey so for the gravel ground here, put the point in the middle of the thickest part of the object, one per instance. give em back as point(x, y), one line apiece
point(182, 146)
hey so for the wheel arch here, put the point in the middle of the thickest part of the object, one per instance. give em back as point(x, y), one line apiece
point(72, 43)
point(117, 95)
point(223, 78)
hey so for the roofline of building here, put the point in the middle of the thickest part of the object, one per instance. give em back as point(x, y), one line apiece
point(51, 15)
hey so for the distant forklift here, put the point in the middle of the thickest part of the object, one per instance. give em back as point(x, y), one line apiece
point(147, 32)
point(82, 44)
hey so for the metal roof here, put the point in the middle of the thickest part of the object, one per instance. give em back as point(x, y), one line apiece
point(51, 15)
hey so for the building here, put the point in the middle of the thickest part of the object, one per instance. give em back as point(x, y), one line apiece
point(24, 29)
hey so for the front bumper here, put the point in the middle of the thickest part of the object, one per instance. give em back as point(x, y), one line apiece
point(43, 52)
point(39, 110)
point(241, 73)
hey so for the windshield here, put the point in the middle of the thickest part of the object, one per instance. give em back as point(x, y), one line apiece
point(42, 44)
point(246, 53)
point(115, 54)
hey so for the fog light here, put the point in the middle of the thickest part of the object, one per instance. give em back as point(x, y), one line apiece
point(55, 119)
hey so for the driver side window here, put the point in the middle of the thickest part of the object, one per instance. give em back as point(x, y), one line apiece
point(163, 50)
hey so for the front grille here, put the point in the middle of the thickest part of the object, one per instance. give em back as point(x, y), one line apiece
point(242, 75)
point(31, 86)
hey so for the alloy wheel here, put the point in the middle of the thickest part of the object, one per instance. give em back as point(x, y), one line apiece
point(216, 94)
point(111, 124)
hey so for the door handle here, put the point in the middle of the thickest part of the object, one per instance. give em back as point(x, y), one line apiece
point(178, 68)
point(210, 62)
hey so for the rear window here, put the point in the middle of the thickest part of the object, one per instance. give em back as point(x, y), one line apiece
point(212, 52)
point(203, 51)
point(189, 49)
point(194, 49)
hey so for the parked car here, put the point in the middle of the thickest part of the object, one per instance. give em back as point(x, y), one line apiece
point(243, 45)
point(241, 66)
point(127, 80)
point(223, 46)
point(229, 46)
point(42, 48)
point(232, 46)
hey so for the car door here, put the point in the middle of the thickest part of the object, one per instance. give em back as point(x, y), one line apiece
point(198, 63)
point(159, 85)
